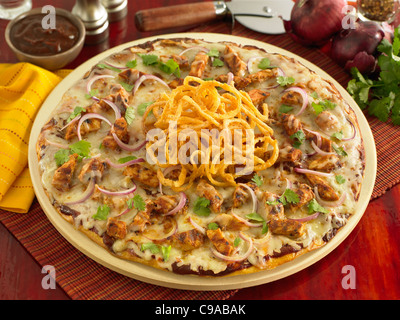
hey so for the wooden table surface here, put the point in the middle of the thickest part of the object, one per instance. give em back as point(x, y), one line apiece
point(369, 257)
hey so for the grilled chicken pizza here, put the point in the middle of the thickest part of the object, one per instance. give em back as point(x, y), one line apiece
point(203, 158)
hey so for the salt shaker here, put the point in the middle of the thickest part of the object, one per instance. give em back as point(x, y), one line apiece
point(95, 18)
point(117, 9)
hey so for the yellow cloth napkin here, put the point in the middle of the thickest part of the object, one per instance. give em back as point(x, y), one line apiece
point(23, 88)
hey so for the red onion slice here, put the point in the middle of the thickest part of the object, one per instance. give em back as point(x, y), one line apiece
point(236, 258)
point(148, 77)
point(247, 222)
point(309, 218)
point(89, 116)
point(115, 66)
point(117, 193)
point(197, 226)
point(325, 203)
point(317, 173)
point(128, 147)
point(72, 121)
point(58, 145)
point(123, 165)
point(114, 107)
point(194, 48)
point(86, 195)
point(319, 151)
point(94, 79)
point(230, 78)
point(252, 194)
point(354, 131)
point(179, 206)
point(304, 96)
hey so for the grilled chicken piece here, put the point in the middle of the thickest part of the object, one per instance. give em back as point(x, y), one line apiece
point(327, 121)
point(262, 75)
point(291, 124)
point(291, 98)
point(290, 154)
point(119, 96)
point(93, 169)
point(305, 194)
point(234, 62)
point(219, 241)
point(199, 65)
point(165, 204)
point(207, 191)
point(241, 194)
point(229, 222)
point(63, 175)
point(88, 125)
point(175, 83)
point(187, 240)
point(182, 61)
point(326, 192)
point(258, 96)
point(120, 128)
point(142, 174)
point(142, 218)
point(326, 163)
point(287, 227)
point(326, 144)
point(275, 211)
point(116, 228)
point(239, 82)
point(130, 76)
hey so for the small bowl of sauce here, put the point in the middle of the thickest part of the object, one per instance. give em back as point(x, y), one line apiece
point(50, 48)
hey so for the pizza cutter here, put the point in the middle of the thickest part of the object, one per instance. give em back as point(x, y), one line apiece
point(264, 16)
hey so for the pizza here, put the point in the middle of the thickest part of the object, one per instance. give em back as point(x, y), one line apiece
point(203, 158)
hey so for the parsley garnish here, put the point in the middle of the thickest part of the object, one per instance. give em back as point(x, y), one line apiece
point(298, 138)
point(284, 81)
point(102, 212)
point(201, 207)
point(257, 180)
point(380, 95)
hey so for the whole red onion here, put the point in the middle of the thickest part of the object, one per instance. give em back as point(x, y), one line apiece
point(357, 47)
point(313, 22)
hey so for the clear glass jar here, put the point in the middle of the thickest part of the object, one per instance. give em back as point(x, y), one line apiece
point(9, 9)
point(377, 10)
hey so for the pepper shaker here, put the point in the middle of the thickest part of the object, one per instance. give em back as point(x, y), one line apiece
point(117, 9)
point(95, 18)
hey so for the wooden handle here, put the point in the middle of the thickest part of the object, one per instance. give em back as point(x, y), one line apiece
point(175, 16)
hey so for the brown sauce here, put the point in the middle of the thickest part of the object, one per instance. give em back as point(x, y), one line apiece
point(29, 36)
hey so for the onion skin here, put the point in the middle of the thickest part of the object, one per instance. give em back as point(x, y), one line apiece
point(357, 47)
point(314, 22)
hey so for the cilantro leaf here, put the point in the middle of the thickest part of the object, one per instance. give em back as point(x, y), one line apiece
point(201, 207)
point(265, 63)
point(340, 179)
point(298, 138)
point(91, 93)
point(213, 226)
point(126, 159)
point(165, 251)
point(285, 108)
point(254, 216)
point(138, 202)
point(150, 246)
point(284, 81)
point(149, 59)
point(289, 196)
point(257, 180)
point(102, 212)
point(218, 63)
point(313, 206)
point(77, 111)
point(129, 115)
point(128, 87)
point(82, 148)
point(61, 157)
point(338, 135)
point(131, 64)
point(106, 66)
point(340, 151)
point(141, 109)
point(170, 67)
point(213, 53)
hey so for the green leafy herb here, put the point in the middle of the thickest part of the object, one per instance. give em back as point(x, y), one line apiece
point(340, 151)
point(149, 59)
point(77, 111)
point(61, 157)
point(150, 246)
point(285, 108)
point(91, 93)
point(380, 95)
point(82, 148)
point(289, 196)
point(340, 179)
point(131, 64)
point(129, 115)
point(218, 63)
point(128, 87)
point(338, 135)
point(265, 63)
point(106, 66)
point(170, 67)
point(284, 81)
point(102, 212)
point(201, 207)
point(298, 138)
point(257, 180)
point(213, 226)
point(322, 106)
point(256, 217)
point(273, 202)
point(237, 241)
point(141, 109)
point(313, 206)
point(126, 159)
point(165, 251)
point(213, 53)
point(314, 95)
point(138, 202)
